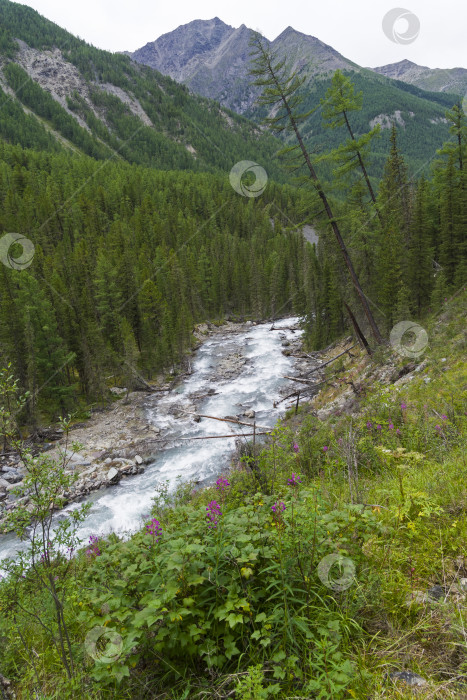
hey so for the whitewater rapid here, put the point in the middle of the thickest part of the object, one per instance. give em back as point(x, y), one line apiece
point(123, 508)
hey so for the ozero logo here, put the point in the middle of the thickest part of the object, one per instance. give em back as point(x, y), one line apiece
point(391, 26)
point(241, 178)
point(10, 255)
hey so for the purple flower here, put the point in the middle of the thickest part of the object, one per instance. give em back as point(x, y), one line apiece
point(295, 447)
point(403, 406)
point(213, 513)
point(325, 448)
point(437, 427)
point(93, 550)
point(443, 417)
point(369, 425)
point(154, 528)
point(222, 484)
point(391, 426)
point(294, 480)
point(278, 507)
point(398, 432)
point(379, 427)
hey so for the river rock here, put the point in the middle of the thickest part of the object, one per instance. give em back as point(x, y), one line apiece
point(112, 475)
point(4, 484)
point(12, 477)
point(250, 413)
point(138, 459)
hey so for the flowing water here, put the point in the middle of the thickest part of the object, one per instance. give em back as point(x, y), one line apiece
point(124, 507)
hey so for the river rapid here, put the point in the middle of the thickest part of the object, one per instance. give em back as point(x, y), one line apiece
point(256, 384)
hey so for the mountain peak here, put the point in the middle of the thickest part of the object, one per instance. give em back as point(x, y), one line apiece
point(213, 58)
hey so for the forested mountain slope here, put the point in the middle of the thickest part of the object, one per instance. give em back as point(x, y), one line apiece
point(56, 90)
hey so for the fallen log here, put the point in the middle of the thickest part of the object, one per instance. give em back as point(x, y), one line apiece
point(325, 364)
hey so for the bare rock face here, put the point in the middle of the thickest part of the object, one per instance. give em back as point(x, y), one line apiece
point(213, 59)
point(62, 79)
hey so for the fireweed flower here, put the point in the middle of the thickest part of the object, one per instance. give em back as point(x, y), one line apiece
point(154, 528)
point(437, 427)
point(93, 550)
point(369, 425)
point(325, 448)
point(443, 417)
point(379, 427)
point(213, 513)
point(403, 406)
point(277, 514)
point(295, 447)
point(278, 507)
point(294, 480)
point(222, 484)
point(391, 426)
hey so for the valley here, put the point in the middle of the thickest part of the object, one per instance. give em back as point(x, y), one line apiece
point(233, 378)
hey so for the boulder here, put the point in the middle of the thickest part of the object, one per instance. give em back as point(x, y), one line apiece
point(138, 459)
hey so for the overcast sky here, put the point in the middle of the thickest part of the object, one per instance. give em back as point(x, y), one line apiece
point(353, 27)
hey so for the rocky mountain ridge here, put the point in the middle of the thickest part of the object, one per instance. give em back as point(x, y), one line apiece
point(453, 80)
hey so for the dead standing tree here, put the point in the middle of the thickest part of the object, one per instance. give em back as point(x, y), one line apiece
point(280, 94)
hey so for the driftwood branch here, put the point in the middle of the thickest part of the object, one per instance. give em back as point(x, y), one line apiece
point(232, 435)
point(228, 420)
point(283, 328)
point(296, 379)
